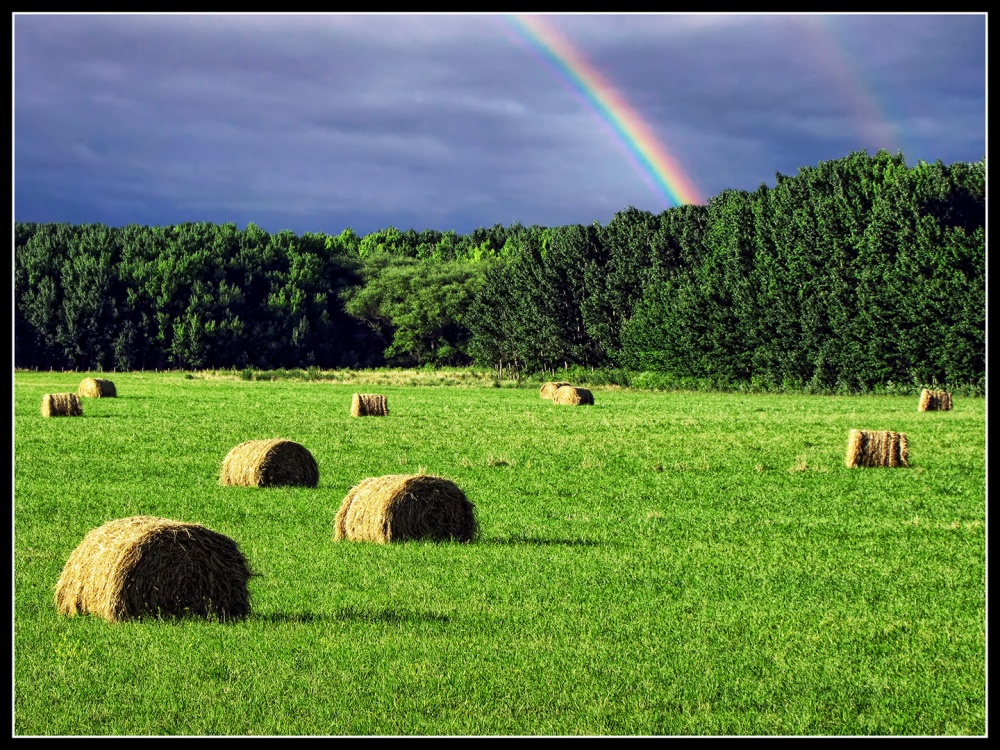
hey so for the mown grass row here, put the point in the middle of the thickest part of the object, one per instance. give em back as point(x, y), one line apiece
point(656, 564)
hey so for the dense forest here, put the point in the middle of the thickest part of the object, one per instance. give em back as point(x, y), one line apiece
point(846, 276)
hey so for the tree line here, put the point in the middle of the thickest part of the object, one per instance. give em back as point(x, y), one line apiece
point(848, 275)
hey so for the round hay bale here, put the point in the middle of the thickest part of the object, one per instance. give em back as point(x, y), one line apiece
point(877, 448)
point(97, 388)
point(401, 507)
point(61, 405)
point(369, 405)
point(145, 566)
point(573, 396)
point(548, 390)
point(269, 463)
point(934, 400)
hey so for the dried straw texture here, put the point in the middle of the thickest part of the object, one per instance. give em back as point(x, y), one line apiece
point(934, 400)
point(877, 448)
point(549, 389)
point(369, 405)
point(97, 388)
point(154, 567)
point(61, 405)
point(399, 507)
point(573, 396)
point(269, 463)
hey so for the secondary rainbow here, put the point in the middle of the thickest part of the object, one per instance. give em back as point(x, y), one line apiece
point(664, 173)
point(827, 38)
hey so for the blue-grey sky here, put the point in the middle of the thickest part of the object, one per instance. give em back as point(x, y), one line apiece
point(317, 123)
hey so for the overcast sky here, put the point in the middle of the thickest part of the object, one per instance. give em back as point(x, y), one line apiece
point(316, 123)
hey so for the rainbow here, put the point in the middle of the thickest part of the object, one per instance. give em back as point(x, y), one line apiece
point(648, 155)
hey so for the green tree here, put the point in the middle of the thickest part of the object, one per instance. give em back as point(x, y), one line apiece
point(417, 308)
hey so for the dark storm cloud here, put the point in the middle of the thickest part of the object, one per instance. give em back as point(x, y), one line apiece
point(316, 123)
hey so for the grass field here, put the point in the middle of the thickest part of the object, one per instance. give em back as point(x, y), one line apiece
point(661, 563)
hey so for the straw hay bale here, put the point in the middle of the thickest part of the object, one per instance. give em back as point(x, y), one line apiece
point(573, 396)
point(877, 448)
point(61, 405)
point(145, 566)
point(369, 405)
point(97, 388)
point(549, 389)
point(934, 400)
point(399, 507)
point(269, 463)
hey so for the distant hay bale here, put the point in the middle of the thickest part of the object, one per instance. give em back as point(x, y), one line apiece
point(61, 405)
point(877, 448)
point(401, 507)
point(369, 405)
point(573, 396)
point(154, 567)
point(269, 463)
point(934, 400)
point(97, 388)
point(549, 389)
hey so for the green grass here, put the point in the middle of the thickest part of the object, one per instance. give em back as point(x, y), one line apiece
point(656, 564)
